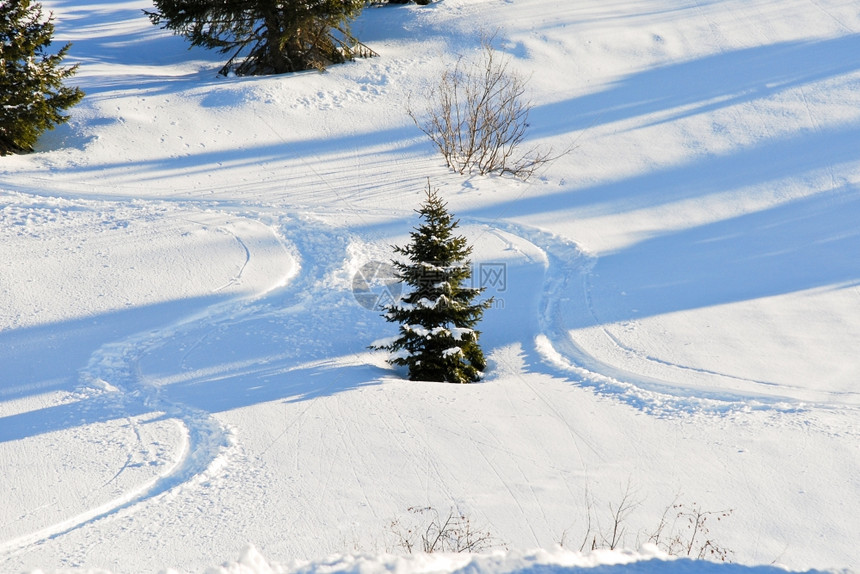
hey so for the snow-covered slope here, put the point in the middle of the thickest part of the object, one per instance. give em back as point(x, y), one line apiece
point(183, 360)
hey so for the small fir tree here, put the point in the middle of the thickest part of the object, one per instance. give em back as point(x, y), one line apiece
point(32, 95)
point(437, 338)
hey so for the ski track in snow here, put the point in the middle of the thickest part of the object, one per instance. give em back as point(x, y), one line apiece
point(568, 270)
point(238, 276)
point(112, 374)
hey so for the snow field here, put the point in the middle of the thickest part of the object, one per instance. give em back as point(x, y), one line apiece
point(184, 363)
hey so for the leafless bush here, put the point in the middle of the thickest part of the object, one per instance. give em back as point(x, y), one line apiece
point(689, 533)
point(432, 533)
point(477, 117)
point(683, 530)
point(611, 536)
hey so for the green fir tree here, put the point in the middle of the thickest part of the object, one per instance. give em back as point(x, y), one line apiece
point(437, 337)
point(265, 36)
point(32, 94)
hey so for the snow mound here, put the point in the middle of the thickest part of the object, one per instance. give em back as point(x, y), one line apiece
point(648, 559)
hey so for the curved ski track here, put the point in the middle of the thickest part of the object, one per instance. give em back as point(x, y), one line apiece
point(207, 442)
point(113, 374)
point(568, 271)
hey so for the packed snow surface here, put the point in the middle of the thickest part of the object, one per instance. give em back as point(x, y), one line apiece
point(189, 270)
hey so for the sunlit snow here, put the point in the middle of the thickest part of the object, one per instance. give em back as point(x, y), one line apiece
point(185, 377)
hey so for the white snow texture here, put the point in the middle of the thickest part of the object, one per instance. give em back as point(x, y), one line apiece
point(185, 380)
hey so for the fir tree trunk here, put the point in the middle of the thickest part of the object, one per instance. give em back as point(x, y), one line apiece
point(275, 58)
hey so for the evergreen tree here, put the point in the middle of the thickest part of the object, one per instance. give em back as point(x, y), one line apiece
point(437, 339)
point(32, 95)
point(265, 36)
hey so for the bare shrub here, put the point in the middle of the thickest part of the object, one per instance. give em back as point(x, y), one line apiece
point(683, 530)
point(477, 117)
point(613, 535)
point(430, 532)
point(689, 533)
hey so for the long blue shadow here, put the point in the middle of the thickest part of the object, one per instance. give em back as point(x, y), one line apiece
point(765, 163)
point(46, 358)
point(803, 244)
point(704, 84)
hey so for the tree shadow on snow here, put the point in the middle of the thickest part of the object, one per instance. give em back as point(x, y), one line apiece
point(685, 89)
point(771, 162)
point(213, 368)
point(340, 163)
point(803, 244)
point(270, 379)
point(49, 358)
point(106, 32)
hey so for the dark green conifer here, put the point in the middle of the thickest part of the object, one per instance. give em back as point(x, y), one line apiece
point(32, 95)
point(265, 36)
point(437, 337)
